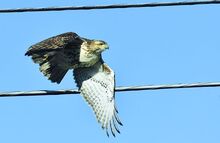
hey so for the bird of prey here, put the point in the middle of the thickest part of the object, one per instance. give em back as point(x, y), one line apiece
point(94, 78)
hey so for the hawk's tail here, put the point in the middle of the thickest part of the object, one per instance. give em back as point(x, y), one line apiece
point(50, 66)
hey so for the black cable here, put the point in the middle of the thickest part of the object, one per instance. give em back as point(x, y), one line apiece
point(114, 6)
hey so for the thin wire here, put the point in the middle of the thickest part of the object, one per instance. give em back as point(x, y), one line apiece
point(114, 6)
point(118, 89)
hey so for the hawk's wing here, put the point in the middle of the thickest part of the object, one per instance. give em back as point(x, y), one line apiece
point(56, 55)
point(97, 85)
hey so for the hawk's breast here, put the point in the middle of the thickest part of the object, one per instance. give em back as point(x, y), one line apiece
point(86, 57)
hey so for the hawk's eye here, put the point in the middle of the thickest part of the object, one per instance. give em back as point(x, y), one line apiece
point(101, 43)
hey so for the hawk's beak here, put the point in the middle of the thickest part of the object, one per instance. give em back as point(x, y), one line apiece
point(106, 46)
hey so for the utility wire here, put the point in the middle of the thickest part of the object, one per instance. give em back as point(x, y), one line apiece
point(118, 89)
point(114, 6)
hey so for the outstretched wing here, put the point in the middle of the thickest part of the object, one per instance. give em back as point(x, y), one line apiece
point(56, 55)
point(96, 85)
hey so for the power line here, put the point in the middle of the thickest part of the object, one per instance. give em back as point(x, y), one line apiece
point(114, 6)
point(118, 89)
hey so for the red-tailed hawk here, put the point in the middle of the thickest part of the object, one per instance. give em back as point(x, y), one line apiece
point(94, 78)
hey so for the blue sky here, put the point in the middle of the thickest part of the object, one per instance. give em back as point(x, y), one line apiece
point(161, 45)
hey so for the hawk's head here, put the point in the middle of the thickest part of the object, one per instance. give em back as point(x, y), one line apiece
point(98, 46)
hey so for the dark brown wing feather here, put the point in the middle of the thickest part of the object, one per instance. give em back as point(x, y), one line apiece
point(56, 55)
point(56, 43)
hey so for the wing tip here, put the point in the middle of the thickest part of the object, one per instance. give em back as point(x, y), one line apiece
point(28, 53)
point(120, 123)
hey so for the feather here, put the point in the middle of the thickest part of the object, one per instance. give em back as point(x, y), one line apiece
point(97, 87)
point(56, 55)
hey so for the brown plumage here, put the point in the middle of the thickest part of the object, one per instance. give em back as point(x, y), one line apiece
point(56, 55)
point(94, 78)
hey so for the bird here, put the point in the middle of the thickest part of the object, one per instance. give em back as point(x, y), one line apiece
point(93, 77)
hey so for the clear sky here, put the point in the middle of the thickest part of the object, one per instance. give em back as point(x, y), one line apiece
point(163, 45)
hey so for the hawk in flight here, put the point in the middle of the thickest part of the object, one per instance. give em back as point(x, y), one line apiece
point(94, 78)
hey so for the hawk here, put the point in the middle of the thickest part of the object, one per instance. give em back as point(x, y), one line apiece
point(94, 78)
